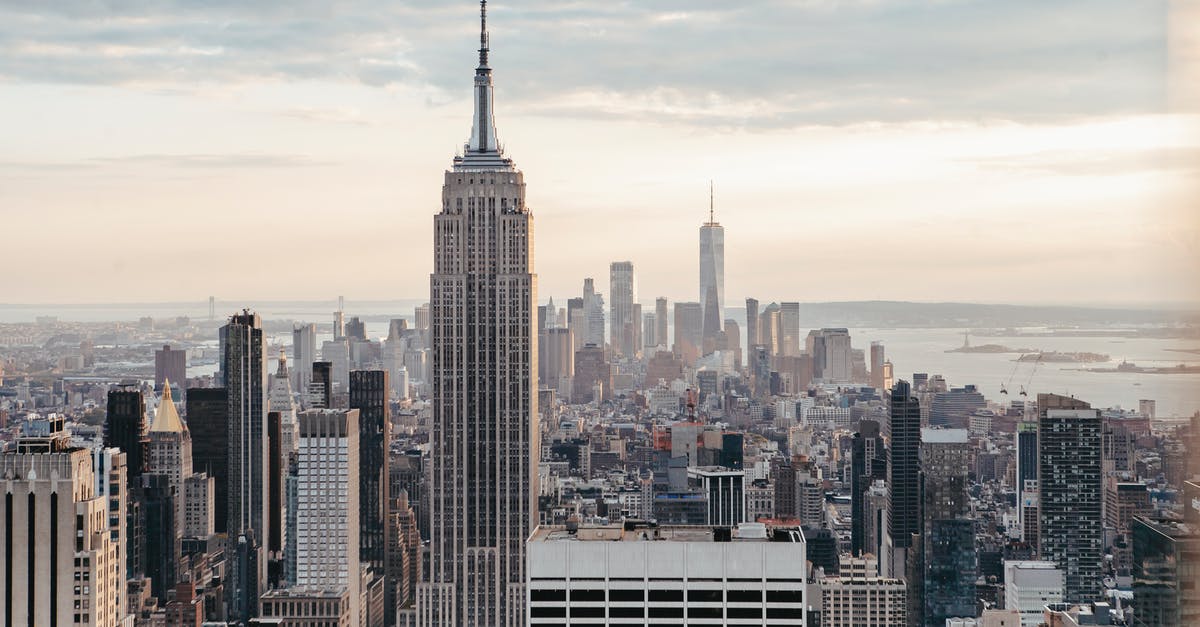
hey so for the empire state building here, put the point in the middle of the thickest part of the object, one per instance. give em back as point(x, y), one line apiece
point(484, 443)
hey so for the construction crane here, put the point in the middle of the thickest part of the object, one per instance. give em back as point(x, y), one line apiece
point(1032, 372)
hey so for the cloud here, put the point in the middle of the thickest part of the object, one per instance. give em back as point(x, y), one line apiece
point(178, 161)
point(1095, 163)
point(755, 63)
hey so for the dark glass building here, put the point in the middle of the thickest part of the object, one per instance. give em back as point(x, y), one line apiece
point(207, 415)
point(159, 542)
point(868, 462)
point(125, 428)
point(904, 468)
point(322, 374)
point(950, 571)
point(245, 360)
point(1166, 572)
point(369, 395)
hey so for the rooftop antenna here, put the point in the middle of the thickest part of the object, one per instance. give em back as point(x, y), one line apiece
point(711, 218)
point(483, 34)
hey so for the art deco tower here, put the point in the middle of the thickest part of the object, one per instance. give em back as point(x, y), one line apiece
point(484, 447)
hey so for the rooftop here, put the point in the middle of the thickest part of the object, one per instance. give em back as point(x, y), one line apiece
point(945, 436)
point(643, 531)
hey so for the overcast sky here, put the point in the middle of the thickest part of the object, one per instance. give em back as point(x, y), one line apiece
point(1018, 151)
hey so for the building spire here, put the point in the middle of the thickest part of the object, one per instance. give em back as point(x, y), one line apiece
point(483, 34)
point(712, 220)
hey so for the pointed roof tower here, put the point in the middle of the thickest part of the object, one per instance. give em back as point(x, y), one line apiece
point(166, 417)
point(483, 150)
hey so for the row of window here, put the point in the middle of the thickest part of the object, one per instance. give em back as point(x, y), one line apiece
point(560, 611)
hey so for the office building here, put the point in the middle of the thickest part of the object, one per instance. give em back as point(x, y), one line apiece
point(789, 329)
point(592, 373)
point(207, 420)
point(726, 491)
point(556, 357)
point(484, 448)
point(171, 451)
point(639, 574)
point(1027, 481)
point(868, 463)
point(304, 353)
point(108, 466)
point(949, 562)
point(337, 354)
point(245, 361)
point(953, 408)
point(1029, 586)
point(752, 337)
point(877, 361)
point(832, 358)
point(689, 331)
point(125, 427)
point(649, 330)
point(369, 395)
point(1166, 582)
point(904, 475)
point(862, 601)
point(1071, 493)
point(625, 328)
point(661, 322)
point(158, 537)
point(712, 272)
point(320, 389)
point(199, 491)
point(57, 534)
point(170, 365)
point(593, 314)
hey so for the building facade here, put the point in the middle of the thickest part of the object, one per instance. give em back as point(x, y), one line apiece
point(484, 446)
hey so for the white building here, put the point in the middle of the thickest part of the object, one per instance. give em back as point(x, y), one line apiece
point(866, 601)
point(327, 503)
point(668, 576)
point(1029, 586)
point(198, 494)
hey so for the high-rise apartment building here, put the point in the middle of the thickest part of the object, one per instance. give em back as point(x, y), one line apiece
point(170, 365)
point(207, 420)
point(1071, 493)
point(327, 508)
point(752, 337)
point(62, 562)
point(593, 314)
point(712, 273)
point(832, 356)
point(484, 446)
point(369, 395)
point(876, 366)
point(625, 329)
point(245, 362)
point(556, 357)
point(904, 476)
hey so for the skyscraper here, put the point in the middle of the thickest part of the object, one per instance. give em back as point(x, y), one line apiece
point(170, 364)
point(1071, 493)
point(171, 451)
point(593, 314)
point(484, 444)
point(904, 475)
point(369, 395)
point(661, 322)
point(208, 417)
point(622, 289)
point(789, 329)
point(125, 427)
point(868, 463)
point(304, 353)
point(1027, 481)
point(245, 361)
point(327, 529)
point(57, 534)
point(712, 272)
point(689, 331)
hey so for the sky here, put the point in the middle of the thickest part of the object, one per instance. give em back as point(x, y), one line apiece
point(949, 150)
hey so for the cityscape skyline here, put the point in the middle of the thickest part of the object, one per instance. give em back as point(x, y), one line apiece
point(224, 138)
point(689, 455)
